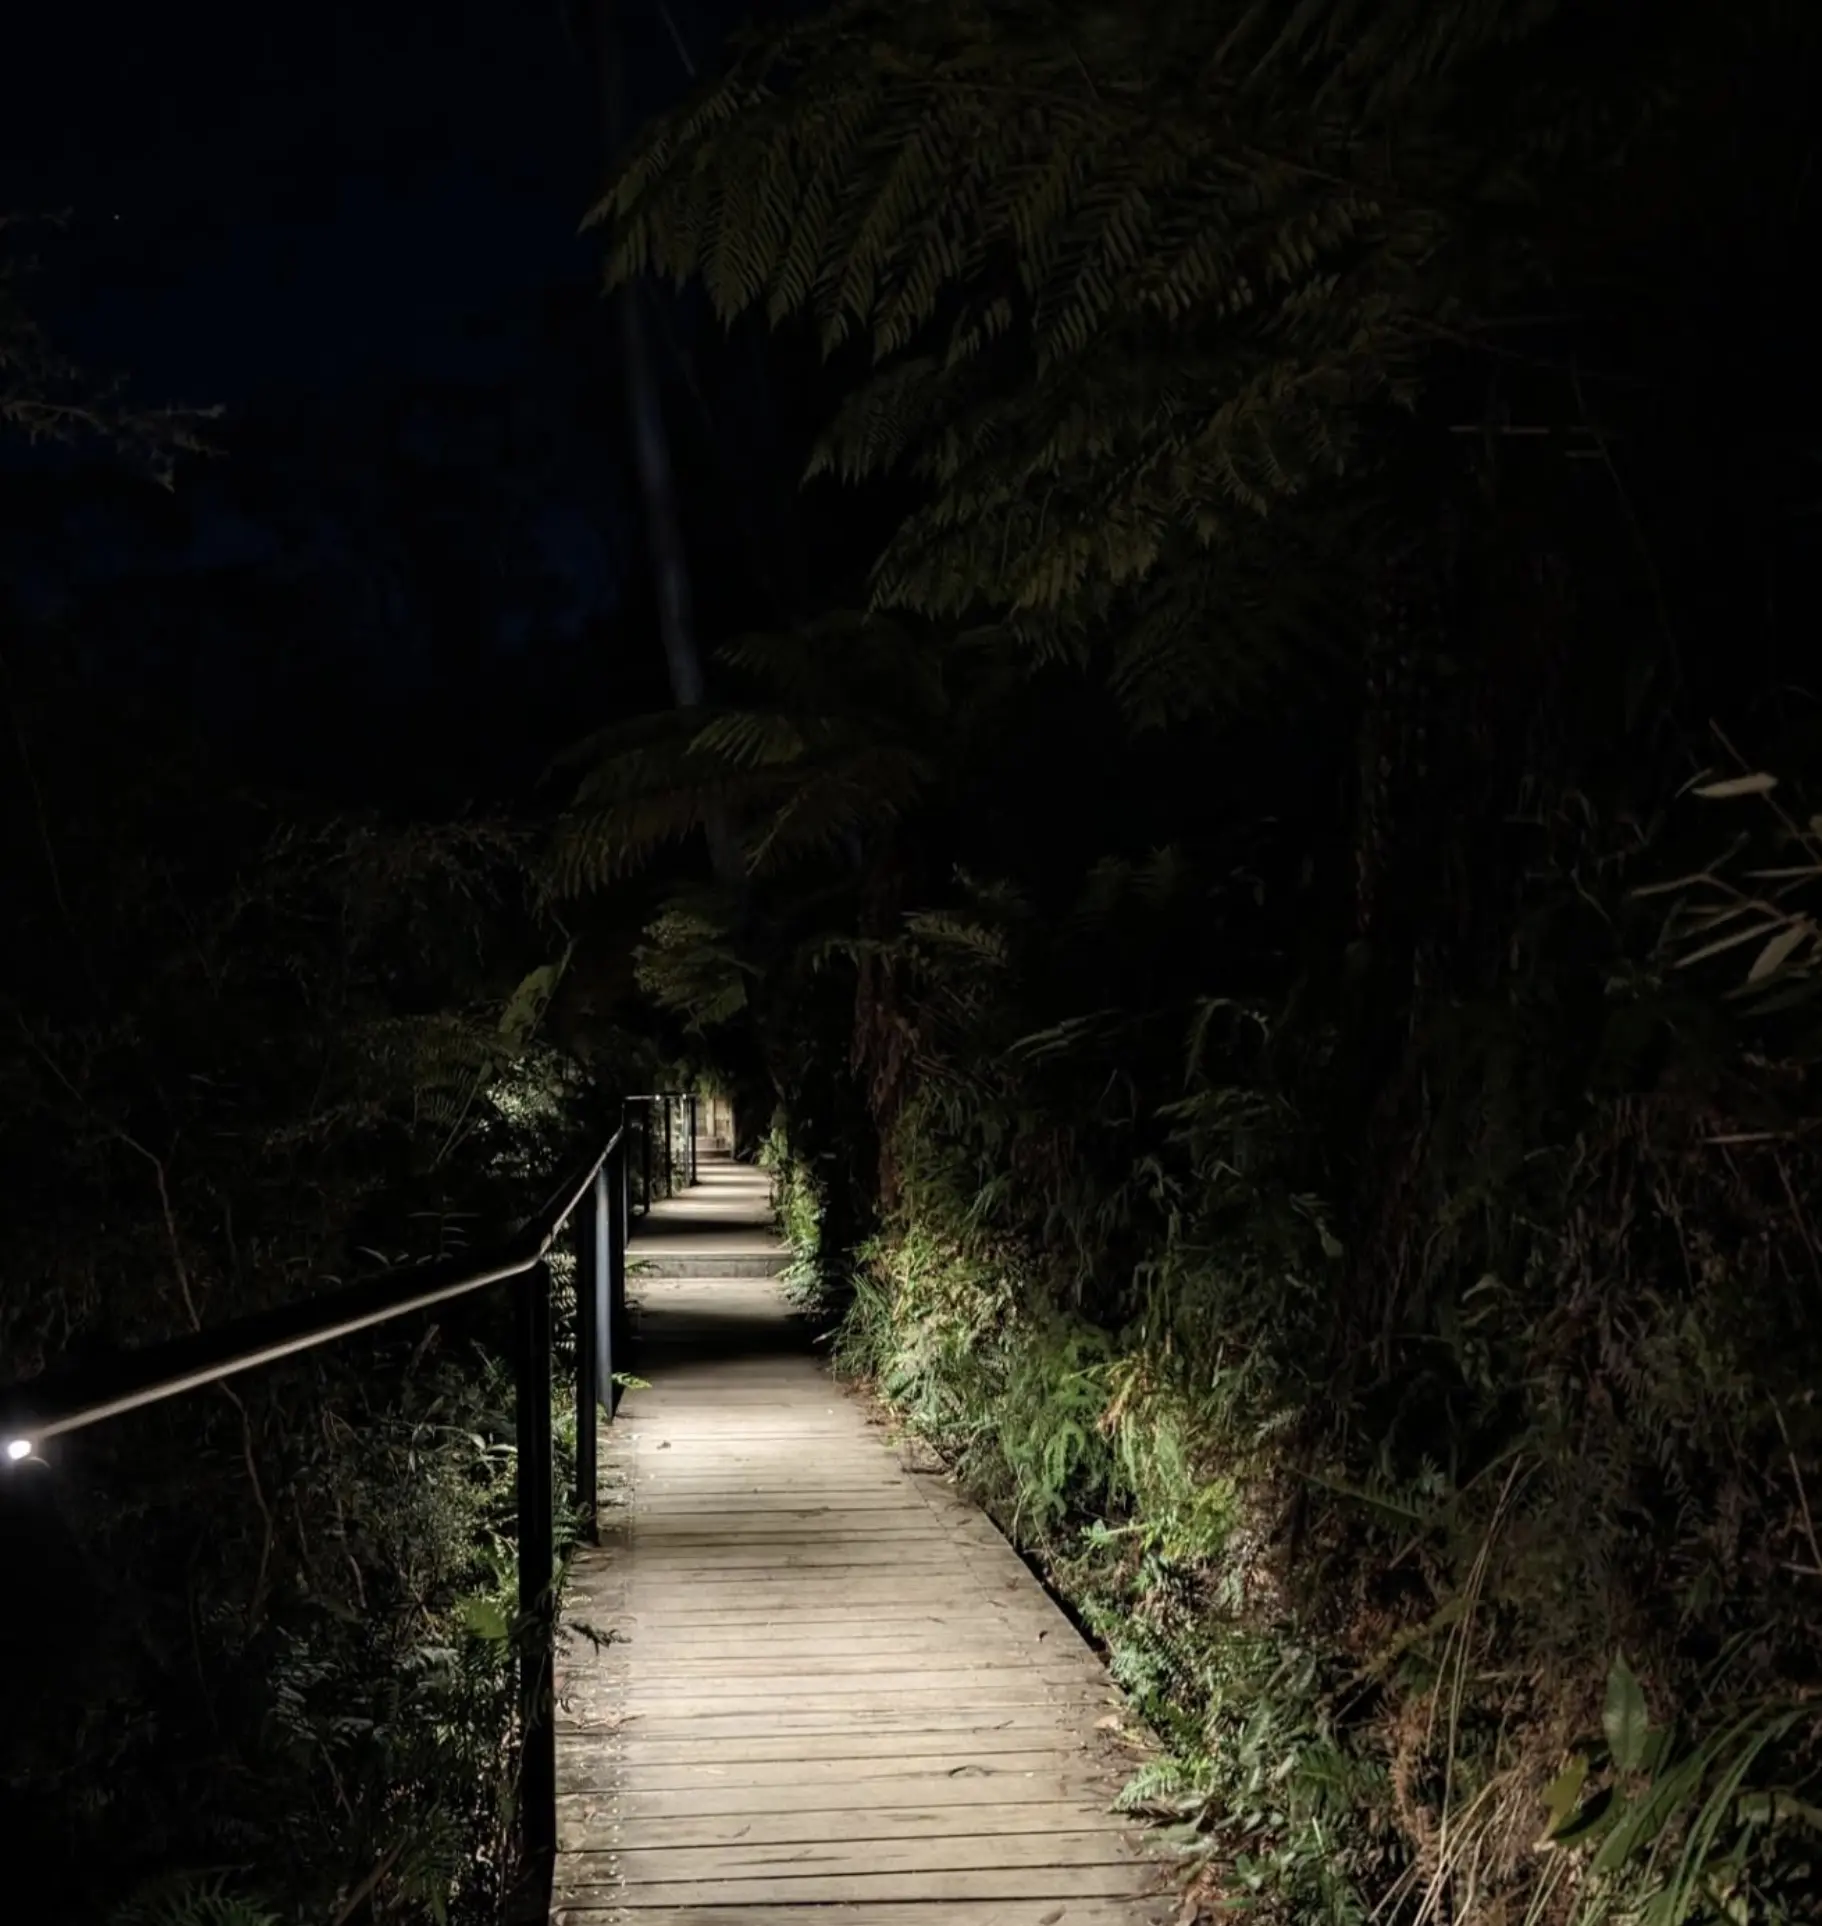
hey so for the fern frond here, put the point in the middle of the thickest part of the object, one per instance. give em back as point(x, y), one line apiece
point(1133, 278)
point(192, 1899)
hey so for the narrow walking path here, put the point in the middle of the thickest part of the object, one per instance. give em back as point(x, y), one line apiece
point(831, 1691)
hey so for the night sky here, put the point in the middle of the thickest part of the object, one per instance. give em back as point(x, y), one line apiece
point(354, 227)
point(304, 196)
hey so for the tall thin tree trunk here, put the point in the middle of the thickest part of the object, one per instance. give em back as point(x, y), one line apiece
point(663, 524)
point(652, 449)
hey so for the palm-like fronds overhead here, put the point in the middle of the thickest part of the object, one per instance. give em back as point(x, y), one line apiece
point(1131, 276)
point(689, 962)
point(849, 739)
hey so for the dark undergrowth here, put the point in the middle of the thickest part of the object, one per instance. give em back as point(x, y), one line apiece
point(260, 1638)
point(1480, 1580)
point(1293, 1025)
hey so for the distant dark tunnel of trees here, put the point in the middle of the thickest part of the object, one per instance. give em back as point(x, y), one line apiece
point(1260, 905)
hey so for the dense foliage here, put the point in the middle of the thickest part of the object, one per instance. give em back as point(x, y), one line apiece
point(252, 1047)
point(254, 1050)
point(1293, 1092)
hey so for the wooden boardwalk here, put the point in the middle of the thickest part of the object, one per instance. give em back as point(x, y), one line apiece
point(831, 1692)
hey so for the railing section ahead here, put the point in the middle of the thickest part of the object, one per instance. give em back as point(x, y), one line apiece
point(595, 1205)
point(664, 1126)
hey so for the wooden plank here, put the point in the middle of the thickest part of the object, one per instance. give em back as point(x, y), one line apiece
point(767, 1720)
point(805, 1599)
point(676, 1454)
point(676, 1462)
point(793, 1614)
point(844, 1858)
point(641, 1748)
point(951, 1620)
point(656, 1664)
point(814, 1508)
point(832, 1689)
point(847, 1664)
point(652, 1568)
point(750, 1725)
point(759, 1555)
point(635, 1689)
point(969, 1803)
point(601, 1825)
point(835, 1501)
point(674, 1476)
point(733, 1644)
point(838, 1649)
point(876, 1710)
point(685, 1434)
point(714, 1531)
point(956, 1686)
point(791, 1785)
point(739, 1560)
point(677, 1488)
point(734, 1717)
point(1131, 1881)
point(991, 1688)
point(1002, 1912)
point(713, 1392)
point(806, 1591)
point(881, 1711)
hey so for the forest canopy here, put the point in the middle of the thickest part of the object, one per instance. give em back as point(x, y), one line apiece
point(1281, 924)
point(1258, 894)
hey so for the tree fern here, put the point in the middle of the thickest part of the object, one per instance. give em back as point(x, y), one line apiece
point(193, 1899)
point(1133, 278)
point(855, 721)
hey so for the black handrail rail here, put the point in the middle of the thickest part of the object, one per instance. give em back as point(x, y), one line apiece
point(38, 1410)
point(662, 1101)
point(66, 1400)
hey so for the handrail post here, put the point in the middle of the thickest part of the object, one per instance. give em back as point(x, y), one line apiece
point(537, 1569)
point(617, 1218)
point(691, 1100)
point(601, 1235)
point(670, 1149)
point(591, 1290)
point(645, 1156)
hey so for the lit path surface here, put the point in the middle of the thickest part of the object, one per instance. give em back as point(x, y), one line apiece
point(834, 1696)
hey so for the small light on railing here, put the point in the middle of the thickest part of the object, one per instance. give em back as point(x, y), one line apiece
point(17, 1448)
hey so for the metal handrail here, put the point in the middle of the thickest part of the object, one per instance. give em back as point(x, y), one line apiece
point(663, 1101)
point(58, 1402)
point(67, 1400)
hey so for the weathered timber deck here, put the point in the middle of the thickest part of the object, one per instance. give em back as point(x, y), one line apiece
point(832, 1691)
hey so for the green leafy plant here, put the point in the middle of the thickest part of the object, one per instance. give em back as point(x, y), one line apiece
point(1251, 1106)
point(1669, 1834)
point(204, 1900)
